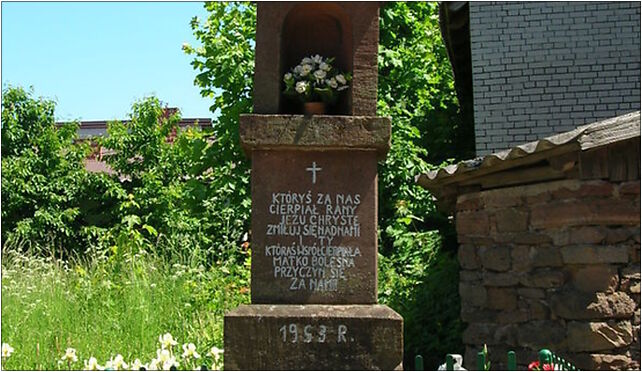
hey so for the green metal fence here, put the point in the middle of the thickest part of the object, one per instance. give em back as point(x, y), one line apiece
point(545, 357)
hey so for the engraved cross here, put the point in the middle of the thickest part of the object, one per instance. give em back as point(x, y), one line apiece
point(314, 170)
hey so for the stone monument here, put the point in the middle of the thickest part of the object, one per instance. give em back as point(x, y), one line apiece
point(314, 203)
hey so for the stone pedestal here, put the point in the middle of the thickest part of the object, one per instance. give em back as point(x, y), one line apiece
point(313, 337)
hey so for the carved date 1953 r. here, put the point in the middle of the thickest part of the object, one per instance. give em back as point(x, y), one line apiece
point(294, 333)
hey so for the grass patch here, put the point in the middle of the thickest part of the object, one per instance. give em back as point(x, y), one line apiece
point(102, 308)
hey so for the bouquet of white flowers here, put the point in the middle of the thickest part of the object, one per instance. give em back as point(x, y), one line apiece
point(315, 79)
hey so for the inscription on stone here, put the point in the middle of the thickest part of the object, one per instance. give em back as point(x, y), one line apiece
point(308, 228)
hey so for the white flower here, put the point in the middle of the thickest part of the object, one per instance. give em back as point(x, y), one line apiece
point(332, 83)
point(305, 70)
point(319, 74)
point(137, 364)
point(341, 79)
point(287, 77)
point(297, 70)
point(6, 350)
point(154, 365)
point(317, 59)
point(116, 363)
point(70, 355)
point(301, 87)
point(189, 351)
point(167, 341)
point(215, 353)
point(325, 67)
point(163, 355)
point(92, 365)
point(169, 363)
point(307, 61)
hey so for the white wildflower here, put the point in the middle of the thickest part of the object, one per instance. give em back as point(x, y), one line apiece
point(341, 79)
point(332, 83)
point(70, 355)
point(215, 353)
point(154, 365)
point(6, 350)
point(317, 59)
point(169, 363)
point(319, 74)
point(116, 363)
point(92, 365)
point(301, 87)
point(167, 341)
point(307, 61)
point(325, 67)
point(189, 351)
point(137, 365)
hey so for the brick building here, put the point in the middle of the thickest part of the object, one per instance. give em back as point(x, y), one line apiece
point(532, 69)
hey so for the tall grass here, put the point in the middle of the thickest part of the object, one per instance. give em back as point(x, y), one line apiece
point(103, 308)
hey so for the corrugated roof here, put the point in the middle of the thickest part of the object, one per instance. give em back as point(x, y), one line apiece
point(582, 138)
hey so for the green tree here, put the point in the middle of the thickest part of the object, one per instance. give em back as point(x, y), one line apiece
point(418, 268)
point(49, 201)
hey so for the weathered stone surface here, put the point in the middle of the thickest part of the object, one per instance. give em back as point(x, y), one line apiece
point(473, 294)
point(526, 257)
point(524, 237)
point(537, 309)
point(531, 292)
point(582, 254)
point(309, 255)
point(511, 220)
point(630, 188)
point(501, 298)
point(312, 337)
point(611, 362)
point(587, 235)
point(468, 202)
point(506, 279)
point(495, 258)
point(470, 276)
point(472, 223)
point(513, 316)
point(467, 256)
point(585, 212)
point(541, 333)
point(598, 336)
point(471, 314)
point(581, 305)
point(318, 132)
point(615, 235)
point(543, 278)
point(479, 333)
point(506, 335)
point(586, 189)
point(596, 278)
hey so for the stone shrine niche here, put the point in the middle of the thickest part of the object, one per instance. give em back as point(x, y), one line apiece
point(289, 31)
point(317, 28)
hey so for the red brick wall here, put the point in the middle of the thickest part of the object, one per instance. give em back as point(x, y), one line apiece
point(553, 265)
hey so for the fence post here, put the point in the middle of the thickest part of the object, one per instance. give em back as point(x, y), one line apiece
point(450, 363)
point(512, 361)
point(419, 363)
point(481, 361)
point(545, 357)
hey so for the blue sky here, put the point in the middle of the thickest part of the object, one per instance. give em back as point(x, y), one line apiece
point(96, 58)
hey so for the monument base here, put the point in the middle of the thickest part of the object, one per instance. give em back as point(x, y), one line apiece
point(313, 337)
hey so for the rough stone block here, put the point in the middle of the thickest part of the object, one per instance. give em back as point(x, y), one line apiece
point(598, 336)
point(581, 254)
point(495, 258)
point(596, 278)
point(630, 188)
point(526, 257)
point(531, 292)
point(581, 305)
point(543, 278)
point(587, 235)
point(472, 223)
point(511, 220)
point(501, 298)
point(472, 294)
point(541, 334)
point(468, 258)
point(506, 279)
point(312, 337)
point(479, 333)
point(585, 212)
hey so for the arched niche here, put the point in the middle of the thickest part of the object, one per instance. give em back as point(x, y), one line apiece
point(317, 28)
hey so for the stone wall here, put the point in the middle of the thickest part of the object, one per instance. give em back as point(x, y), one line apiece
point(541, 68)
point(552, 265)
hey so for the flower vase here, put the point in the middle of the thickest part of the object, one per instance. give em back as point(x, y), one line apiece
point(314, 108)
